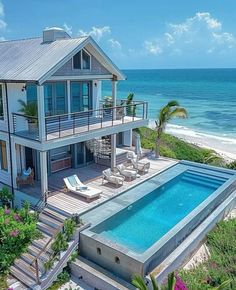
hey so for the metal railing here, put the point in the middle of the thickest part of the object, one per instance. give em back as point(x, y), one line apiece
point(64, 125)
point(25, 126)
point(80, 122)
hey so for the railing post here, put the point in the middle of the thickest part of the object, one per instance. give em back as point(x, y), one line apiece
point(133, 106)
point(143, 110)
point(37, 271)
point(112, 116)
point(59, 126)
point(88, 121)
point(102, 116)
point(73, 124)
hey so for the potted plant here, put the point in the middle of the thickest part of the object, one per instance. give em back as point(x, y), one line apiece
point(30, 110)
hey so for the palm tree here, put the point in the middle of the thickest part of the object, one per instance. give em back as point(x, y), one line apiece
point(29, 109)
point(140, 284)
point(171, 110)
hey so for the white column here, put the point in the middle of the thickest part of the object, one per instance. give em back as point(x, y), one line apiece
point(14, 163)
point(113, 137)
point(41, 113)
point(43, 171)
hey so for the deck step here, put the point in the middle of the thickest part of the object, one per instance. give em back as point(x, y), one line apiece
point(34, 251)
point(21, 276)
point(29, 259)
point(56, 215)
point(58, 210)
point(41, 242)
point(47, 229)
point(26, 268)
point(50, 221)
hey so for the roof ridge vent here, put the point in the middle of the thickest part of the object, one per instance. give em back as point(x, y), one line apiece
point(51, 34)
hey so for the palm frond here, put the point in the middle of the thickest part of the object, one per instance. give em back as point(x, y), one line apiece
point(179, 113)
point(154, 282)
point(171, 281)
point(173, 103)
point(139, 283)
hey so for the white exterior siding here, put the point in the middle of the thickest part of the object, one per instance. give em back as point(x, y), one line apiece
point(14, 94)
point(96, 69)
point(3, 123)
point(5, 176)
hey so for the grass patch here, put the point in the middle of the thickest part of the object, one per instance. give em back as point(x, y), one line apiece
point(222, 263)
point(173, 147)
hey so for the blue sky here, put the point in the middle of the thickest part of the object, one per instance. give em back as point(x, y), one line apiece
point(135, 33)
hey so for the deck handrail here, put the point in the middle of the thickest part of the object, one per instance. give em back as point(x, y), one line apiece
point(43, 250)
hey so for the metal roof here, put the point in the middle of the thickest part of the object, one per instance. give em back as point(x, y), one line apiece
point(33, 60)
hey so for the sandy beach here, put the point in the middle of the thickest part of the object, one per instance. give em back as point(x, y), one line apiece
point(226, 147)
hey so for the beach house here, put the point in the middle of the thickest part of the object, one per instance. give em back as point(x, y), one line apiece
point(52, 117)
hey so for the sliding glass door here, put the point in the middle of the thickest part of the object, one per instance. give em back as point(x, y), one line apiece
point(81, 97)
point(55, 98)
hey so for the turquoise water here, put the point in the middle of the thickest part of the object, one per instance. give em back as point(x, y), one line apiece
point(209, 95)
point(143, 223)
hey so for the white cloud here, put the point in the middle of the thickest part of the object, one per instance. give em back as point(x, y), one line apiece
point(67, 28)
point(114, 43)
point(152, 47)
point(96, 32)
point(200, 33)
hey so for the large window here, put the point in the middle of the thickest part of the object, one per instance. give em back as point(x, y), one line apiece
point(1, 104)
point(81, 99)
point(82, 60)
point(3, 155)
point(55, 98)
point(31, 93)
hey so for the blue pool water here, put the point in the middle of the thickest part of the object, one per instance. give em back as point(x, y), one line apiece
point(140, 225)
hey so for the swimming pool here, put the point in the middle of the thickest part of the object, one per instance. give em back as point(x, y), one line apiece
point(135, 231)
point(144, 222)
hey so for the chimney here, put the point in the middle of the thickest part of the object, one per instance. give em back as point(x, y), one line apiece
point(54, 33)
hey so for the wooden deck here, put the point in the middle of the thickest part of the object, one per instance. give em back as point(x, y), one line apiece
point(92, 175)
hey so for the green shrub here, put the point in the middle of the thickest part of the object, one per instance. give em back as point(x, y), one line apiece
point(17, 230)
point(221, 265)
point(232, 165)
point(69, 229)
point(174, 147)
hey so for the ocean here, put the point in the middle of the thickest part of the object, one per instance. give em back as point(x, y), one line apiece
point(209, 95)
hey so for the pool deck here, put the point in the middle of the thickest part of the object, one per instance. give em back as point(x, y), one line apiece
point(92, 175)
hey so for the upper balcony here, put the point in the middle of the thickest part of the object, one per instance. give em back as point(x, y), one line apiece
point(80, 123)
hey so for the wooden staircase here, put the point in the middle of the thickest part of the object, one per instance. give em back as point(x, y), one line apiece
point(28, 269)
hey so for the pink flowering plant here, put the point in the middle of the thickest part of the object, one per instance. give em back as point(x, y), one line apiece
point(17, 229)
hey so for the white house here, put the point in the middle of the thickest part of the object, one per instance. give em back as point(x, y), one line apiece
point(63, 76)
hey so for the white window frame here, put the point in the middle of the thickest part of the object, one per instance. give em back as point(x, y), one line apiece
point(81, 61)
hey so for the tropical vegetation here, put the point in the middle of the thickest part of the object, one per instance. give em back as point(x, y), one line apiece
point(168, 112)
point(17, 230)
point(221, 266)
point(173, 147)
point(29, 109)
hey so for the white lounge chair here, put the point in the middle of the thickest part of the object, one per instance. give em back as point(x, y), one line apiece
point(74, 185)
point(112, 178)
point(126, 172)
point(141, 166)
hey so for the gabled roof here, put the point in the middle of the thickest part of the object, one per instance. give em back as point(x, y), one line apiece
point(33, 60)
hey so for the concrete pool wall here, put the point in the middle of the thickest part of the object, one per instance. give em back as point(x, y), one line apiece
point(123, 261)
